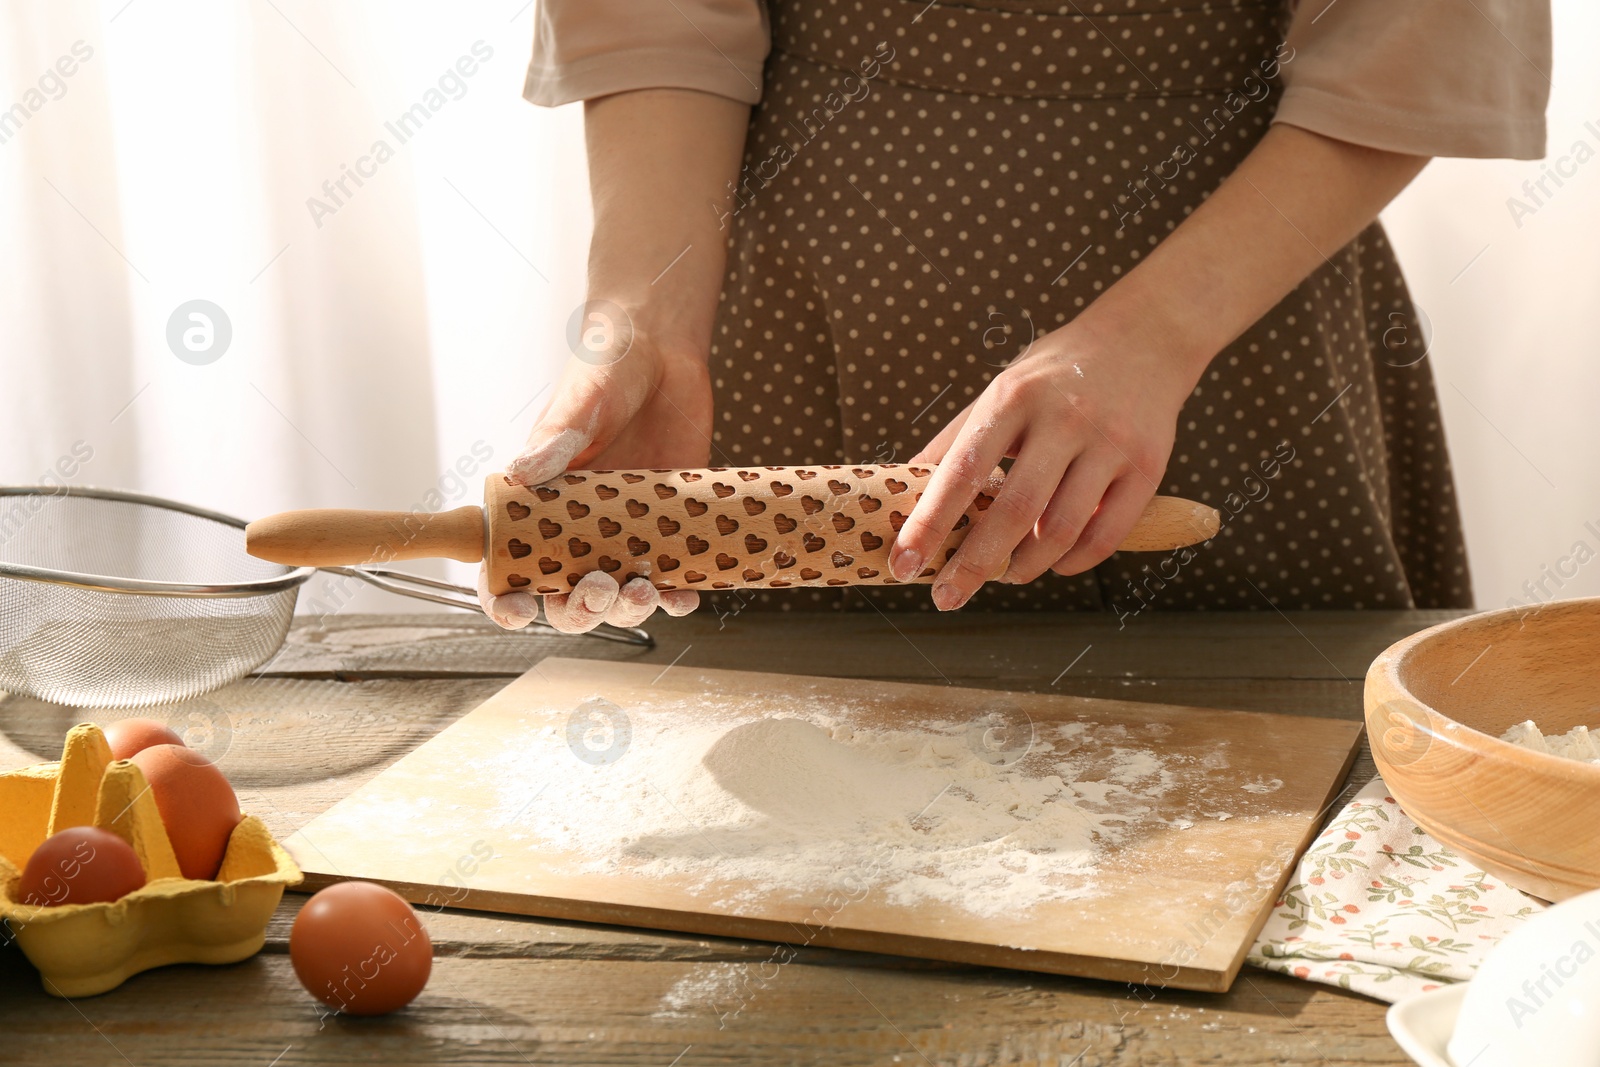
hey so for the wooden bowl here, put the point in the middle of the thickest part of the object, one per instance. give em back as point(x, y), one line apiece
point(1437, 704)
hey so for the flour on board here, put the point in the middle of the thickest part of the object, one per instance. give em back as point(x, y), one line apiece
point(982, 816)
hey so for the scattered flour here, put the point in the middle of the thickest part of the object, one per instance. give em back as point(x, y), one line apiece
point(740, 808)
point(1577, 743)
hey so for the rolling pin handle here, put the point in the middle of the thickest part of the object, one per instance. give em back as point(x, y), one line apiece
point(340, 537)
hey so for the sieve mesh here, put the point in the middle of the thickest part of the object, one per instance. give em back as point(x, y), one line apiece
point(182, 608)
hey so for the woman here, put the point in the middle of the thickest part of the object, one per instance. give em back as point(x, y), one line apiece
point(1128, 243)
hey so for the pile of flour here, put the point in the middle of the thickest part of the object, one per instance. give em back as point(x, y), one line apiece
point(1577, 743)
point(991, 816)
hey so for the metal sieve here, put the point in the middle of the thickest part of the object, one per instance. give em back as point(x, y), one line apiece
point(117, 599)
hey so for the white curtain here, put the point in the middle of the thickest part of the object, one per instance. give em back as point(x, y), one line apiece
point(398, 311)
point(387, 336)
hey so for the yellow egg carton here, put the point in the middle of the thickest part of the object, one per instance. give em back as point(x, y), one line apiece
point(85, 949)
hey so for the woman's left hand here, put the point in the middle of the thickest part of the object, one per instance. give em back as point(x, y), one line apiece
point(1090, 424)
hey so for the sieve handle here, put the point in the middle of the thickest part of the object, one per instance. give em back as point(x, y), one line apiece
point(336, 537)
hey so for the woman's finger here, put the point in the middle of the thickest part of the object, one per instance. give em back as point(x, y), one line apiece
point(1064, 519)
point(585, 607)
point(512, 611)
point(935, 450)
point(1121, 507)
point(679, 602)
point(636, 601)
point(1002, 526)
point(965, 469)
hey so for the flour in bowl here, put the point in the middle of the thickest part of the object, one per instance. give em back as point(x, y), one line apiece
point(1577, 743)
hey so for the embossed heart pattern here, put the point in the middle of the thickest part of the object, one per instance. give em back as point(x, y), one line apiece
point(713, 528)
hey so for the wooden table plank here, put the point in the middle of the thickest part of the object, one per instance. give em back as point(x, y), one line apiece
point(346, 700)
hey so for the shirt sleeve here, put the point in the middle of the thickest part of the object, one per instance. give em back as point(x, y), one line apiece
point(1424, 77)
point(588, 48)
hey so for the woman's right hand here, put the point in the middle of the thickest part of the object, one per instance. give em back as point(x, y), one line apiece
point(623, 401)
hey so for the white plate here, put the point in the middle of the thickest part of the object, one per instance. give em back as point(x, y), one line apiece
point(1423, 1024)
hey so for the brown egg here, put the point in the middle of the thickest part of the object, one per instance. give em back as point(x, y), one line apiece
point(360, 949)
point(197, 806)
point(128, 737)
point(80, 865)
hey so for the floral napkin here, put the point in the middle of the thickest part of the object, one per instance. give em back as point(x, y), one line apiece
point(1379, 907)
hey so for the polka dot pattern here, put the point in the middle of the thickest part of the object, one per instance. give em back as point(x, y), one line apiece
point(913, 240)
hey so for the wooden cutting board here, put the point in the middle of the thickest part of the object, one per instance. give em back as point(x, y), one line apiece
point(1174, 901)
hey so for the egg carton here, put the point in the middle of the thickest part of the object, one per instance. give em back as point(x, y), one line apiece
point(85, 949)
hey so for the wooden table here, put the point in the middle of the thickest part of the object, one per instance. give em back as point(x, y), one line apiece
point(348, 698)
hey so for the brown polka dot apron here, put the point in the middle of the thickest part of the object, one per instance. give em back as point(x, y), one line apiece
point(927, 187)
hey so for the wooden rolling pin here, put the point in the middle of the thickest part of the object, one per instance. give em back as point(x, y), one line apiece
point(718, 528)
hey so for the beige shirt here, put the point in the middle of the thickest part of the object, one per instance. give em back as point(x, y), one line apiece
point(1426, 77)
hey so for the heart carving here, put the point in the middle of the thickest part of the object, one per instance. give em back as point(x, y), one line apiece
point(869, 504)
point(726, 525)
point(807, 475)
point(982, 501)
point(749, 476)
point(609, 527)
point(578, 548)
point(895, 485)
point(690, 476)
point(577, 510)
point(866, 572)
point(839, 488)
point(548, 565)
point(920, 472)
point(859, 473)
point(693, 577)
point(517, 581)
point(810, 575)
point(517, 548)
point(574, 479)
point(696, 508)
point(667, 526)
point(665, 563)
point(783, 523)
point(605, 492)
point(722, 585)
point(810, 505)
point(545, 493)
point(962, 523)
point(518, 511)
point(697, 545)
point(753, 575)
point(870, 541)
point(754, 544)
point(665, 492)
point(632, 479)
point(782, 559)
point(813, 543)
point(638, 546)
point(546, 588)
point(780, 489)
point(723, 490)
point(726, 562)
point(896, 520)
point(842, 522)
point(776, 584)
point(838, 581)
point(637, 508)
point(609, 565)
point(752, 506)
point(548, 529)
point(842, 560)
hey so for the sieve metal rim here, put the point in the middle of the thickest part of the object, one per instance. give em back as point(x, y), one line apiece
point(105, 583)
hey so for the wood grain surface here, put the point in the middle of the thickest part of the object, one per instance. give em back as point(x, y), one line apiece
point(1174, 901)
point(350, 697)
